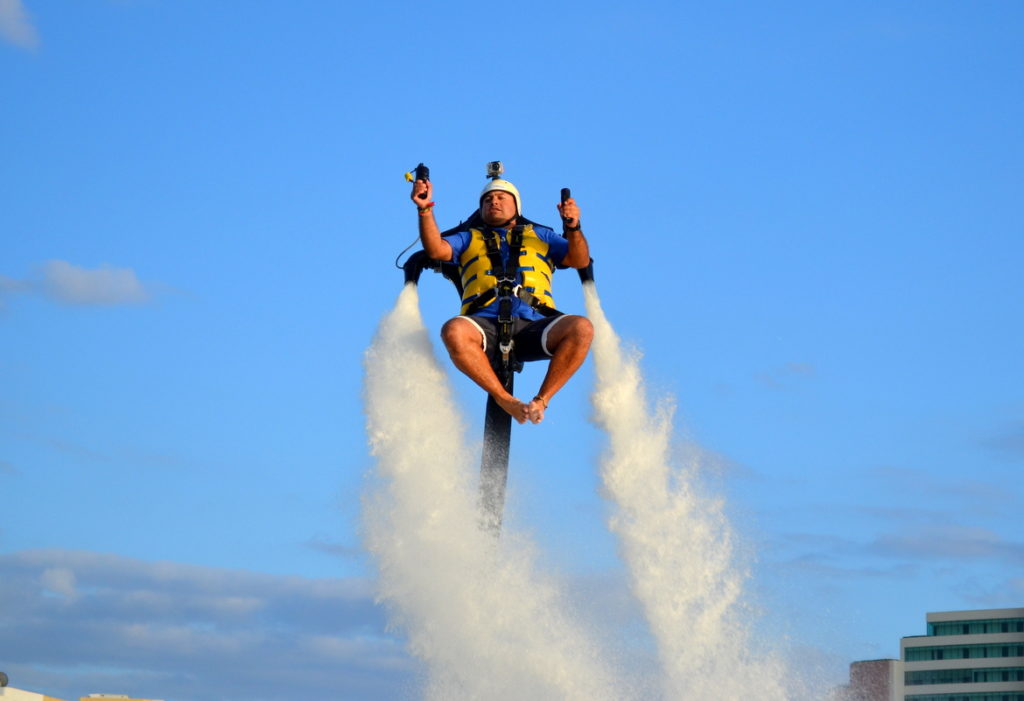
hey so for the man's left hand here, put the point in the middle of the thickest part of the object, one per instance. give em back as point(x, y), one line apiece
point(569, 212)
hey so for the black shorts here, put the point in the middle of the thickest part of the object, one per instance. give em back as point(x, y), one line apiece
point(530, 337)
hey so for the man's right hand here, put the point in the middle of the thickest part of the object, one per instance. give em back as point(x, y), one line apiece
point(422, 193)
point(430, 236)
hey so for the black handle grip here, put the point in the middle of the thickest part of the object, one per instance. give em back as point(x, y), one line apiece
point(565, 196)
point(422, 173)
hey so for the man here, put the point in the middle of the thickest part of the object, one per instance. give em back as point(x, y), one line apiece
point(563, 338)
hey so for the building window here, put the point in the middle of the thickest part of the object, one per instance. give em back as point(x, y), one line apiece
point(963, 676)
point(961, 652)
point(1004, 625)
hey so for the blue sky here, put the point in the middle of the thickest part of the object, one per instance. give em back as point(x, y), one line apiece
point(806, 216)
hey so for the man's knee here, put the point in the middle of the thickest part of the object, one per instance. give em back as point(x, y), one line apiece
point(459, 334)
point(580, 328)
point(576, 330)
point(585, 329)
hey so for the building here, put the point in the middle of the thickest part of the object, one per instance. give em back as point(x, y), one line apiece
point(874, 680)
point(9, 693)
point(965, 656)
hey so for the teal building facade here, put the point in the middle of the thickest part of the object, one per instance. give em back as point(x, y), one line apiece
point(966, 656)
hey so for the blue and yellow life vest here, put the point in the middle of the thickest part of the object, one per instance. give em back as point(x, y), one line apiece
point(479, 277)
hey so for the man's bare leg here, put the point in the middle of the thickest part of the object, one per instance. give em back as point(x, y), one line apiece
point(568, 341)
point(465, 346)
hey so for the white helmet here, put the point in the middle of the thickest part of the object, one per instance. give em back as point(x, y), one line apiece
point(504, 186)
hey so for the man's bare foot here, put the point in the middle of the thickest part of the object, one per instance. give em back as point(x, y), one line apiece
point(535, 410)
point(515, 408)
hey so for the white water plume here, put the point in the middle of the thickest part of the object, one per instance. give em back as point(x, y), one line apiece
point(676, 542)
point(478, 612)
point(475, 610)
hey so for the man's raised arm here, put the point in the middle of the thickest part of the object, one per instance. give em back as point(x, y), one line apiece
point(430, 235)
point(578, 255)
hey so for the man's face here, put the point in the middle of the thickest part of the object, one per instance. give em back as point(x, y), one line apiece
point(497, 207)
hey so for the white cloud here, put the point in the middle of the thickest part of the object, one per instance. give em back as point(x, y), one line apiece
point(1009, 441)
point(945, 495)
point(950, 543)
point(66, 283)
point(59, 581)
point(83, 622)
point(10, 287)
point(15, 25)
point(105, 286)
point(824, 568)
point(992, 594)
point(323, 544)
point(785, 375)
point(920, 538)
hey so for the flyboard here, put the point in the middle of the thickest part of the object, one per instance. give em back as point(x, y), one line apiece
point(497, 422)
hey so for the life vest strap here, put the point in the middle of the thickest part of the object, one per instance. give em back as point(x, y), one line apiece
point(536, 304)
point(522, 293)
